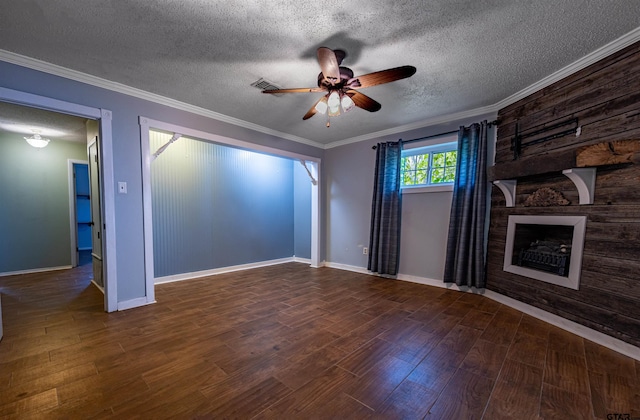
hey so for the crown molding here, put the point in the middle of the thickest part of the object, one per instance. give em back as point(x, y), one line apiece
point(584, 62)
point(77, 76)
point(597, 55)
point(443, 119)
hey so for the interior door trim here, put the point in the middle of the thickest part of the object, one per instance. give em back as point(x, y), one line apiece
point(103, 116)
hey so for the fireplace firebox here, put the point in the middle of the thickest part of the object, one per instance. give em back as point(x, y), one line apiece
point(546, 248)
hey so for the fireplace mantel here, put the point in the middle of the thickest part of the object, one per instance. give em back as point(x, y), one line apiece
point(583, 178)
point(585, 181)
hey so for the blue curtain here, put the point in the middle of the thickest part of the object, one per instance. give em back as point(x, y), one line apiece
point(386, 206)
point(465, 263)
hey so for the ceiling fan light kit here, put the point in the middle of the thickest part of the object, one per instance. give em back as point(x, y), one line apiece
point(322, 106)
point(347, 103)
point(342, 87)
point(333, 101)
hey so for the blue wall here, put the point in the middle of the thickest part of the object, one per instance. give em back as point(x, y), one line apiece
point(34, 203)
point(216, 206)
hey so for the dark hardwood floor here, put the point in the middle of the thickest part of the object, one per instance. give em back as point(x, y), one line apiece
point(289, 341)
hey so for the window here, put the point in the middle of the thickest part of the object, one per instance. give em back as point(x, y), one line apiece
point(431, 166)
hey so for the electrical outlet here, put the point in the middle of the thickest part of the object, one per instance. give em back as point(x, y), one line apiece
point(365, 250)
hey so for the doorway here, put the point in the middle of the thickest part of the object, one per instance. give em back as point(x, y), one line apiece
point(103, 121)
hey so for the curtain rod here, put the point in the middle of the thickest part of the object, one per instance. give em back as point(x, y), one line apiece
point(494, 122)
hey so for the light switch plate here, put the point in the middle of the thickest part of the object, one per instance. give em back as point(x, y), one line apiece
point(122, 187)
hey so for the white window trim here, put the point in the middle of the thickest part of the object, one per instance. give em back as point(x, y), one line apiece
point(426, 189)
point(433, 146)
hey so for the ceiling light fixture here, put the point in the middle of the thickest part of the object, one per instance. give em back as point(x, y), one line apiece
point(347, 103)
point(332, 102)
point(36, 140)
point(322, 106)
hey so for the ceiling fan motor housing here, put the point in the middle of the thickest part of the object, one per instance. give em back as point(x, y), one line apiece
point(345, 75)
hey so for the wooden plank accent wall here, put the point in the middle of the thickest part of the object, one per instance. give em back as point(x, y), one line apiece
point(605, 97)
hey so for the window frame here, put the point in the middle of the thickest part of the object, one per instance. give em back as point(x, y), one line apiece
point(442, 144)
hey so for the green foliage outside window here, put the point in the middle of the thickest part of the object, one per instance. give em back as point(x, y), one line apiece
point(444, 167)
point(415, 169)
point(429, 168)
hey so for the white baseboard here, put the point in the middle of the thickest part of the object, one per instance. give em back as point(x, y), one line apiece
point(320, 264)
point(308, 261)
point(134, 303)
point(35, 270)
point(404, 277)
point(440, 283)
point(560, 322)
point(98, 286)
point(346, 267)
point(568, 325)
point(222, 270)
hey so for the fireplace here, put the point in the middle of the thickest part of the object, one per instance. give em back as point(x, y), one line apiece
point(546, 248)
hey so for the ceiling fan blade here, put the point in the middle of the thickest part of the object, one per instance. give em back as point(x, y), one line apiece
point(329, 65)
point(340, 55)
point(380, 77)
point(312, 111)
point(363, 101)
point(294, 90)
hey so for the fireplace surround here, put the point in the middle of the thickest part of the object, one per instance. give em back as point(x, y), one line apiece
point(546, 248)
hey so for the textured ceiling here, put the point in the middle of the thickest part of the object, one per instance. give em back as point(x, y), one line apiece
point(52, 125)
point(469, 53)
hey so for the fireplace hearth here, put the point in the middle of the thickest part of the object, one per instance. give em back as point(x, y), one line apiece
point(546, 248)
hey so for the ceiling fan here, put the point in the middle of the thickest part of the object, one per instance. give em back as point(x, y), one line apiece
point(342, 87)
